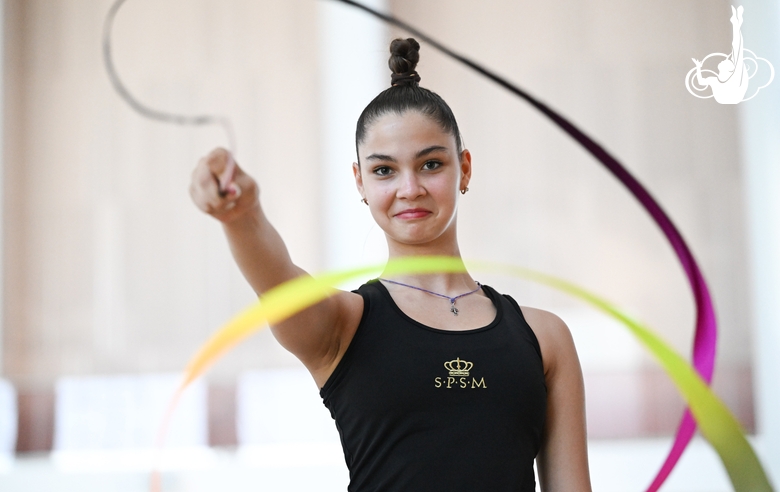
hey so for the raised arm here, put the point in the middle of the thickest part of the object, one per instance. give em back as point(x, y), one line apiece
point(563, 458)
point(316, 334)
point(736, 36)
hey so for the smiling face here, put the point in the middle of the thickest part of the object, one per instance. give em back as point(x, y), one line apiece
point(411, 174)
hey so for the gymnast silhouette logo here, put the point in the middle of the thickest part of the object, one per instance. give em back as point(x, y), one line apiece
point(730, 84)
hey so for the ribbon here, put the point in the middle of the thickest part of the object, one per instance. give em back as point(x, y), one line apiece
point(716, 422)
point(706, 329)
point(164, 116)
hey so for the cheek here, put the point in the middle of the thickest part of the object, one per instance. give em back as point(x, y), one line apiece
point(443, 190)
point(379, 194)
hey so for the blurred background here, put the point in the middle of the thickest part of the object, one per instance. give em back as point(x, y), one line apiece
point(111, 278)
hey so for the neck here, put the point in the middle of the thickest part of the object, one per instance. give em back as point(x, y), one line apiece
point(444, 245)
point(442, 283)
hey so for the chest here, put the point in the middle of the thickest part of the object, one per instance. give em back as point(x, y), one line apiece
point(473, 311)
point(403, 369)
point(405, 395)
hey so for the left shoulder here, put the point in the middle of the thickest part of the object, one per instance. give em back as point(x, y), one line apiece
point(555, 340)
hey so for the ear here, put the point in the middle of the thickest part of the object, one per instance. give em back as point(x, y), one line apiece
point(358, 177)
point(465, 168)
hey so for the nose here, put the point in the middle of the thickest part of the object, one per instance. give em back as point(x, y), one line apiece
point(410, 187)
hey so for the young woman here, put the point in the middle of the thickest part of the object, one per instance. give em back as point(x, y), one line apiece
point(436, 383)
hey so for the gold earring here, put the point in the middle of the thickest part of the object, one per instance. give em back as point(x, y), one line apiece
point(364, 201)
point(464, 190)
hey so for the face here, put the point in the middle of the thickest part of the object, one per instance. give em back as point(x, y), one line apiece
point(725, 68)
point(411, 174)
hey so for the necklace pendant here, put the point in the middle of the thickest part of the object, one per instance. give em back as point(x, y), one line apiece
point(453, 309)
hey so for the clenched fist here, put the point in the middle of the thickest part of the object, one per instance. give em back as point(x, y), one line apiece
point(221, 189)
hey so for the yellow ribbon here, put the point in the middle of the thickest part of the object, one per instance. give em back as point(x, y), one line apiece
point(716, 423)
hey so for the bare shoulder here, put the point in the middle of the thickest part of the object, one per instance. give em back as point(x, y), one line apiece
point(554, 337)
point(348, 308)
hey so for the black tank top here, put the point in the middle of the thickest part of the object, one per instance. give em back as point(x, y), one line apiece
point(429, 410)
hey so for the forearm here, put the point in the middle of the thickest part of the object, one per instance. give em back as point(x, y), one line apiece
point(737, 50)
point(699, 78)
point(259, 250)
point(262, 256)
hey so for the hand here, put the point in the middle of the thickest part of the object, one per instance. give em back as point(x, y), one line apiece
point(697, 62)
point(736, 15)
point(237, 193)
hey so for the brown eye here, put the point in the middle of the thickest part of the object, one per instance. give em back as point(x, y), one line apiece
point(431, 165)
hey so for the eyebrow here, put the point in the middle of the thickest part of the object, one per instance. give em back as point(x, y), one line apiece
point(422, 153)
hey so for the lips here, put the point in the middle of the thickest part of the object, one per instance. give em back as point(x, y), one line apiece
point(413, 213)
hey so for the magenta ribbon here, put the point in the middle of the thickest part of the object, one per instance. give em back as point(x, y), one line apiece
point(705, 339)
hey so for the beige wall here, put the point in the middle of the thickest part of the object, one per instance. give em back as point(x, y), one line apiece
point(109, 268)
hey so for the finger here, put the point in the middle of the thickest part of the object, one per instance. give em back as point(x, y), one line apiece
point(218, 202)
point(223, 210)
point(233, 191)
point(217, 161)
point(205, 183)
point(216, 205)
point(204, 192)
point(222, 166)
point(226, 176)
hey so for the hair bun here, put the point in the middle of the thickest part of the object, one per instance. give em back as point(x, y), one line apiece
point(404, 55)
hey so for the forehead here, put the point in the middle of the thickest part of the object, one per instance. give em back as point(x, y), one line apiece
point(405, 133)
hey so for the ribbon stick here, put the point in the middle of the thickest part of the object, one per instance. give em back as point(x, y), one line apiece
point(716, 422)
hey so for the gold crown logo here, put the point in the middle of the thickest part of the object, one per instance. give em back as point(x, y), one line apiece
point(458, 367)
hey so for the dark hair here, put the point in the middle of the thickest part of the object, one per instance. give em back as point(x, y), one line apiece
point(405, 94)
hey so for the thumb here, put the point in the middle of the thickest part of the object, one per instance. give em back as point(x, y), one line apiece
point(226, 176)
point(232, 190)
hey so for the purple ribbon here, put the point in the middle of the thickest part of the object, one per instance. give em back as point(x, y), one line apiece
point(705, 338)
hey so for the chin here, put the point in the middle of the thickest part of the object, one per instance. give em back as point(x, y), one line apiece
point(415, 239)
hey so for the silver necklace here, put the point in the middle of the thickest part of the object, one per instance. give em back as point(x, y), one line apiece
point(452, 300)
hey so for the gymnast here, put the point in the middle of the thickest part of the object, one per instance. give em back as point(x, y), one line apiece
point(436, 382)
point(731, 84)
